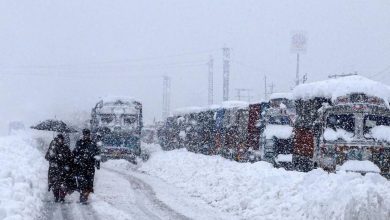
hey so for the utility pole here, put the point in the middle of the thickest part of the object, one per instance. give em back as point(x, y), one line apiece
point(166, 96)
point(240, 96)
point(271, 88)
point(226, 73)
point(265, 87)
point(298, 45)
point(297, 73)
point(211, 81)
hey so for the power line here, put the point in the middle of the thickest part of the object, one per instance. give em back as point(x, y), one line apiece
point(116, 61)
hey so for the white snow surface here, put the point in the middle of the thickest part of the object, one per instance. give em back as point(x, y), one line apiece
point(187, 110)
point(259, 191)
point(278, 131)
point(23, 182)
point(116, 98)
point(234, 104)
point(333, 88)
point(381, 133)
point(284, 158)
point(359, 166)
point(332, 135)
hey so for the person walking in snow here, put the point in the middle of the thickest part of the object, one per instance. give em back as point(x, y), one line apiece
point(86, 157)
point(60, 168)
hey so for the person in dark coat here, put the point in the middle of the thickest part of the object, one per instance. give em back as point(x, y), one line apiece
point(86, 157)
point(60, 168)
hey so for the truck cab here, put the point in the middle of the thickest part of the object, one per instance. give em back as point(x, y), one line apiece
point(116, 125)
point(276, 140)
point(354, 128)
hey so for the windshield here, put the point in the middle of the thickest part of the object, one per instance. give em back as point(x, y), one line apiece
point(107, 118)
point(341, 121)
point(371, 121)
point(279, 120)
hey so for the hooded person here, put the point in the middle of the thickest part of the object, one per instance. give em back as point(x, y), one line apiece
point(60, 168)
point(86, 157)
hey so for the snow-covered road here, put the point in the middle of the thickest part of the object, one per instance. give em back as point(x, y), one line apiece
point(128, 194)
point(182, 185)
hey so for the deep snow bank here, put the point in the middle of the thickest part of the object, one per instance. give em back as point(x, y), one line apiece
point(259, 191)
point(22, 178)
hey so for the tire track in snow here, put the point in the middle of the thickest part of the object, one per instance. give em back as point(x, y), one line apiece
point(147, 200)
point(69, 210)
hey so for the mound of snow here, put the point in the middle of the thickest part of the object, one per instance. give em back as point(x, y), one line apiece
point(359, 166)
point(23, 183)
point(381, 133)
point(333, 135)
point(333, 88)
point(259, 191)
point(278, 131)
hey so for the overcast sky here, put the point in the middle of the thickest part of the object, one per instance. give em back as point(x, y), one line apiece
point(58, 57)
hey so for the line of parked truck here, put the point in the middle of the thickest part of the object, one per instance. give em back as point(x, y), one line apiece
point(336, 124)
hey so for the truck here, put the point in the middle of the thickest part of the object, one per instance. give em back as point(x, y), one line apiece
point(276, 139)
point(342, 124)
point(116, 125)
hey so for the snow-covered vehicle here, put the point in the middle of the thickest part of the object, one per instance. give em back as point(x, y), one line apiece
point(149, 134)
point(255, 128)
point(276, 140)
point(231, 126)
point(340, 120)
point(116, 123)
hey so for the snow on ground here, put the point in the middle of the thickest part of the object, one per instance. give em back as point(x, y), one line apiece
point(259, 191)
point(114, 193)
point(23, 182)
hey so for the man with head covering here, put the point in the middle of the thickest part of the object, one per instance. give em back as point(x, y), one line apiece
point(60, 168)
point(86, 157)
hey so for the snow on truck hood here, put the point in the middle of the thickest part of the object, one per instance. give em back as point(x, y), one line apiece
point(333, 135)
point(278, 131)
point(359, 166)
point(333, 88)
point(381, 133)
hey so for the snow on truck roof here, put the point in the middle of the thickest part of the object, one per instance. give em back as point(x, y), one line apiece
point(187, 110)
point(281, 95)
point(197, 109)
point(333, 88)
point(117, 98)
point(234, 104)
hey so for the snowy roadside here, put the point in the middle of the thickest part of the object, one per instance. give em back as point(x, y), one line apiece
point(177, 199)
point(259, 191)
point(23, 182)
